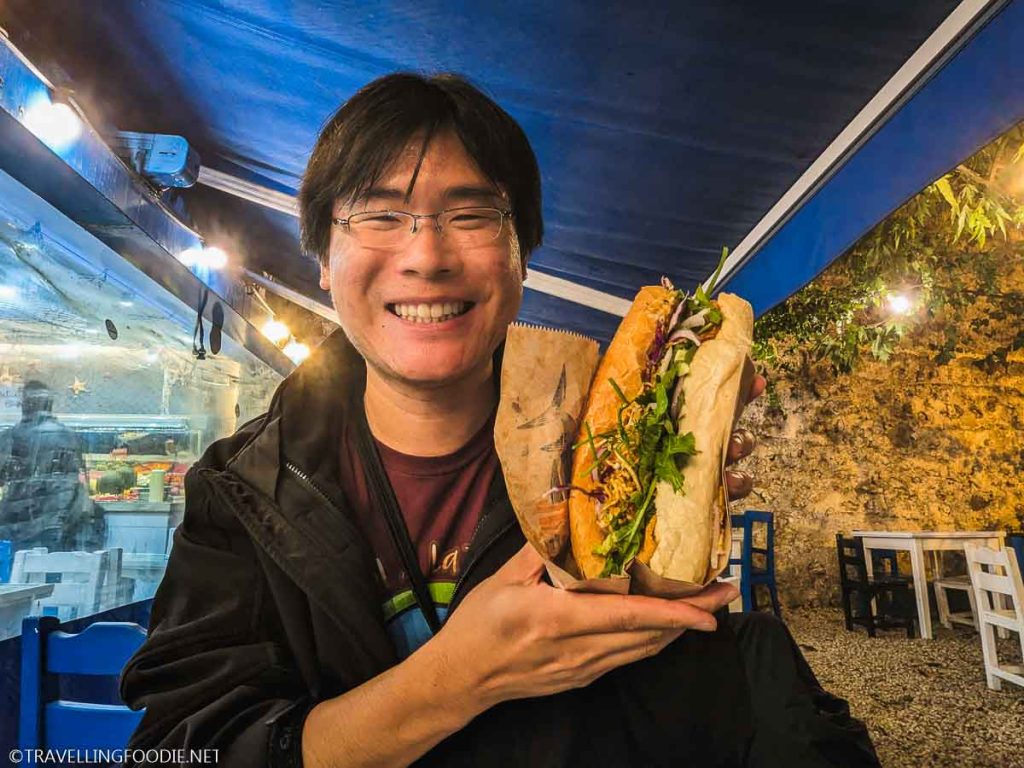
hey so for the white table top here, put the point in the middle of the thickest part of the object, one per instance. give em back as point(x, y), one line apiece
point(13, 593)
point(144, 560)
point(929, 534)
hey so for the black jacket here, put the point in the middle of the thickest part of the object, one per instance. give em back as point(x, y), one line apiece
point(269, 605)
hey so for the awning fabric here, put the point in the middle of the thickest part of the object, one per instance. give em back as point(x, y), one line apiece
point(664, 131)
point(968, 103)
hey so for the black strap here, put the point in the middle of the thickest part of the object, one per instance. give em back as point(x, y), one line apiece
point(198, 334)
point(383, 497)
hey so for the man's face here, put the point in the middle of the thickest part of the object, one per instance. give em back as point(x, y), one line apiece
point(372, 288)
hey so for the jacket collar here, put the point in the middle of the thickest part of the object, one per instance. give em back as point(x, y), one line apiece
point(302, 429)
point(305, 418)
point(306, 415)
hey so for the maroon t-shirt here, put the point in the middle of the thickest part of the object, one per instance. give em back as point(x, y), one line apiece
point(442, 499)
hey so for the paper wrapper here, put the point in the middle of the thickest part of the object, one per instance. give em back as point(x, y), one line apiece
point(545, 378)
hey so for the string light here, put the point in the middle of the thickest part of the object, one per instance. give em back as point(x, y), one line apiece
point(210, 257)
point(899, 303)
point(215, 258)
point(296, 351)
point(276, 331)
point(54, 124)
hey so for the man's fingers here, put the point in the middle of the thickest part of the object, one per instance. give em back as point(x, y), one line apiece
point(739, 483)
point(526, 566)
point(593, 614)
point(741, 445)
point(713, 597)
point(756, 387)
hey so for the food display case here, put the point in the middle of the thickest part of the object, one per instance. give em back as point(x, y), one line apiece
point(124, 404)
point(135, 468)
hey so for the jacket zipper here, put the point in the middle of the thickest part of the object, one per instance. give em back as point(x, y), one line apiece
point(306, 480)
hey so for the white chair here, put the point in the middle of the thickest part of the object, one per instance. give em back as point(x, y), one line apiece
point(999, 598)
point(946, 618)
point(89, 581)
point(736, 606)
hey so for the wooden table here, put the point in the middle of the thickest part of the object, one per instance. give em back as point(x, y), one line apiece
point(916, 543)
point(16, 602)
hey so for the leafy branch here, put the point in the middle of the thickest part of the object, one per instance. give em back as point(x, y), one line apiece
point(937, 251)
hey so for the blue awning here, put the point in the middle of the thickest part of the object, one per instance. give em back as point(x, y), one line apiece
point(664, 131)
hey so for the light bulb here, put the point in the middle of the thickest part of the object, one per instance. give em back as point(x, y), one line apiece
point(214, 258)
point(899, 303)
point(190, 256)
point(56, 125)
point(203, 257)
point(296, 351)
point(276, 331)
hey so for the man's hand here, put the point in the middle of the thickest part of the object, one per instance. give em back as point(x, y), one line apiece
point(515, 636)
point(740, 482)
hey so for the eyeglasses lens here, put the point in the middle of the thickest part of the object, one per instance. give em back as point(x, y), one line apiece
point(464, 227)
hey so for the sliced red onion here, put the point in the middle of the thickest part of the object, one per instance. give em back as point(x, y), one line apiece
point(677, 395)
point(695, 321)
point(678, 311)
point(666, 360)
point(683, 334)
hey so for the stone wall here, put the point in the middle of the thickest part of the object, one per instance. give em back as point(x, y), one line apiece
point(908, 444)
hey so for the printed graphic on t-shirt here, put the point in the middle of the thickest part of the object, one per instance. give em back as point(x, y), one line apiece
point(406, 623)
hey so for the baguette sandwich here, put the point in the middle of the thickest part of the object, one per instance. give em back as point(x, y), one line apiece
point(646, 481)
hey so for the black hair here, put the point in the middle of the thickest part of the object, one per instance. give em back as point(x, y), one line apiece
point(36, 397)
point(362, 139)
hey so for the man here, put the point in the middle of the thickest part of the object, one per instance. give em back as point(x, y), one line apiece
point(45, 503)
point(349, 585)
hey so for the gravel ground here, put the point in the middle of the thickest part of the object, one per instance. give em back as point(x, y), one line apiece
point(924, 701)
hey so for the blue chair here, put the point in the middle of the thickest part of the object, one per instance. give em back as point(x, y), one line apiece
point(1015, 541)
point(46, 722)
point(761, 571)
point(6, 560)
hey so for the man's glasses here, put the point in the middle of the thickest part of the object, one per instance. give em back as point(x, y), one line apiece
point(470, 227)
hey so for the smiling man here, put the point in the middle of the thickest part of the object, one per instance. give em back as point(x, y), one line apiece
point(349, 585)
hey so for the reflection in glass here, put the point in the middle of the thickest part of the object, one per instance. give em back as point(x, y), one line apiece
point(98, 428)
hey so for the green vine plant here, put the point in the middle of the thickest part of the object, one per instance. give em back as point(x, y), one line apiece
point(936, 254)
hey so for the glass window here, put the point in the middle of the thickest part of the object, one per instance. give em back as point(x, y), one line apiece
point(103, 408)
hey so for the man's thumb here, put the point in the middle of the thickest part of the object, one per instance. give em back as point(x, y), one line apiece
point(525, 566)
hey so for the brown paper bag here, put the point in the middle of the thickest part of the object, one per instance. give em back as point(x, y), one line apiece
point(545, 378)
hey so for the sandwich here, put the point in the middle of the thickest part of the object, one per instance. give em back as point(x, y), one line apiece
point(647, 483)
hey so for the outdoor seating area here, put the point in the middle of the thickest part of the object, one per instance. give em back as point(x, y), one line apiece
point(352, 299)
point(75, 585)
point(876, 594)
